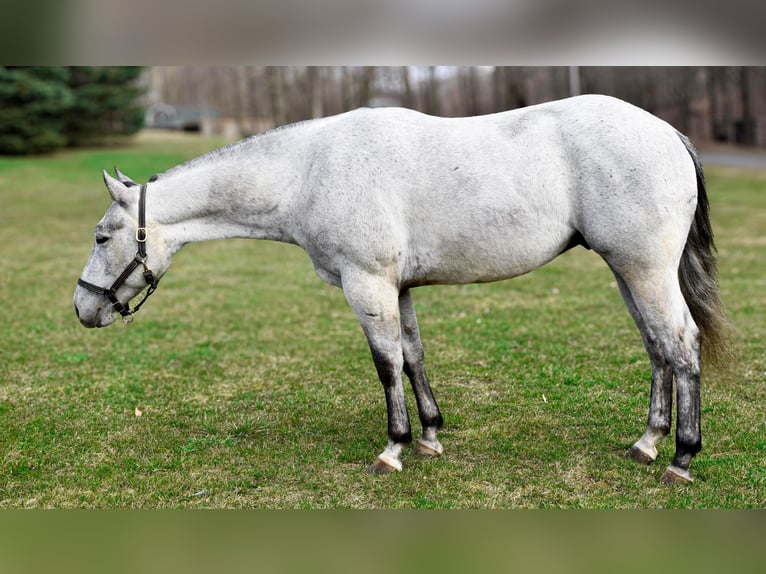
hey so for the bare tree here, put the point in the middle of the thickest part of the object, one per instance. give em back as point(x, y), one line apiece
point(276, 80)
point(348, 88)
point(408, 100)
point(727, 103)
point(243, 107)
point(469, 91)
point(431, 85)
point(745, 132)
point(315, 76)
point(365, 81)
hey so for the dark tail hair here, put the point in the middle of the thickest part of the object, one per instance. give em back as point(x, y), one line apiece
point(698, 275)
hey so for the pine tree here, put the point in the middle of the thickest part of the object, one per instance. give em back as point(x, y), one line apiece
point(33, 101)
point(105, 103)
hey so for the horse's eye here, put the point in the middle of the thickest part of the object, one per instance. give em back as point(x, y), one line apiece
point(101, 239)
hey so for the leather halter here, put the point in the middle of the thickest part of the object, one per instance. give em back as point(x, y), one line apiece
point(140, 259)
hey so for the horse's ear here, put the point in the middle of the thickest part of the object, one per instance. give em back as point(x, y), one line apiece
point(124, 178)
point(117, 189)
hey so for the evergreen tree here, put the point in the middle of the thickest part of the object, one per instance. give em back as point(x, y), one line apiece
point(105, 103)
point(45, 108)
point(33, 101)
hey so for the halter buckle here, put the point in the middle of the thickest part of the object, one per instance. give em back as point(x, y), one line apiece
point(141, 234)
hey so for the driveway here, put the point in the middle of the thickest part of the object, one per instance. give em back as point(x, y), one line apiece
point(733, 157)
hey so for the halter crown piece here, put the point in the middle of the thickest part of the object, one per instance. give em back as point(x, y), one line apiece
point(140, 259)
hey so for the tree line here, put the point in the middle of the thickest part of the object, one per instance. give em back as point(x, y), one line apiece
point(707, 103)
point(45, 108)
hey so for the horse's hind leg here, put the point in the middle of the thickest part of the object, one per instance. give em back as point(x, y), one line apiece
point(672, 338)
point(661, 401)
point(412, 347)
point(375, 302)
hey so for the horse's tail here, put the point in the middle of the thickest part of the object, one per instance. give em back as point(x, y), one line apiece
point(698, 275)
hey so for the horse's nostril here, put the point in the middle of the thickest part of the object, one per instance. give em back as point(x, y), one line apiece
point(77, 311)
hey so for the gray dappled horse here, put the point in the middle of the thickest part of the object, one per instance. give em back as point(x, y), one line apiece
point(384, 200)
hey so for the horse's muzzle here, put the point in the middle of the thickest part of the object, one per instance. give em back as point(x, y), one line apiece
point(102, 317)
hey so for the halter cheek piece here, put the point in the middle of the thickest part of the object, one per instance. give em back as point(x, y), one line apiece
point(140, 259)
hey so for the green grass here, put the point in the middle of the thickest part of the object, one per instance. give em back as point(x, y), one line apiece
point(256, 388)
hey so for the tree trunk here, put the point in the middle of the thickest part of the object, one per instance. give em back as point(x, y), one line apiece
point(276, 79)
point(407, 99)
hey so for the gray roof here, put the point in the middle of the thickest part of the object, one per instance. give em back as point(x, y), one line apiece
point(179, 116)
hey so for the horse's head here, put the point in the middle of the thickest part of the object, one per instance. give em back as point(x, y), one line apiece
point(127, 256)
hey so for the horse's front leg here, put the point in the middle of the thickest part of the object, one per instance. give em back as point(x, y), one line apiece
point(428, 410)
point(375, 302)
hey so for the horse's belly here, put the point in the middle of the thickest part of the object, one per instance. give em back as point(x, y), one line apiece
point(485, 256)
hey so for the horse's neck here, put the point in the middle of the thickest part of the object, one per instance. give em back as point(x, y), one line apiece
point(246, 194)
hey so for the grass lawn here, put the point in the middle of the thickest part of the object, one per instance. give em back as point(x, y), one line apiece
point(245, 382)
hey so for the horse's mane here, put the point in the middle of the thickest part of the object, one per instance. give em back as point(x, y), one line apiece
point(227, 150)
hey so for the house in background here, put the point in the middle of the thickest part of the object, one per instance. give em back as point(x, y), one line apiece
point(201, 119)
point(182, 117)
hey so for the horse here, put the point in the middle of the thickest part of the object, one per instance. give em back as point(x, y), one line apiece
point(388, 199)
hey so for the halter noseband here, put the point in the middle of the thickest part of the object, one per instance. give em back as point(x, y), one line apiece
point(140, 259)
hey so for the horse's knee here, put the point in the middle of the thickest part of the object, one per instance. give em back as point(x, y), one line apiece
point(389, 365)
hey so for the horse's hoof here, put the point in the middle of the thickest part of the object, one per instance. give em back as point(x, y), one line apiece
point(640, 455)
point(429, 449)
point(381, 466)
point(675, 475)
